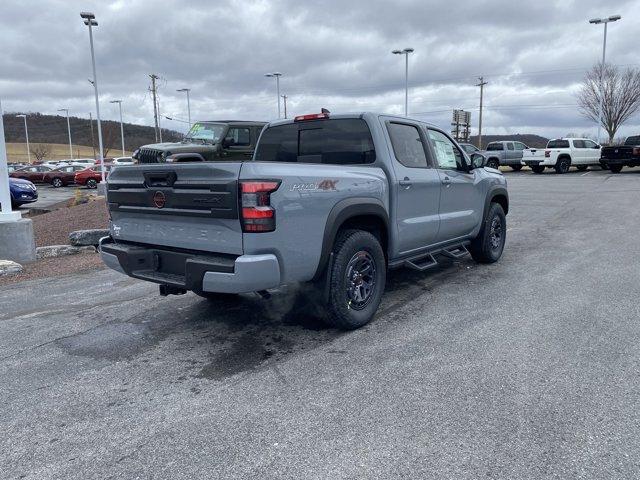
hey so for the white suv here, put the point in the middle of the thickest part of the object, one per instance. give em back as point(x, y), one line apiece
point(562, 153)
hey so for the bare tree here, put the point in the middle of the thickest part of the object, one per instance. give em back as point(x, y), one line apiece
point(110, 133)
point(40, 150)
point(620, 92)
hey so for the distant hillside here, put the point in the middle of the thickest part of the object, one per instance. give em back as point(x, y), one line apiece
point(53, 129)
point(529, 140)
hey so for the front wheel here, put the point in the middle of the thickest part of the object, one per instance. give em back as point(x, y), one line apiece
point(516, 168)
point(487, 247)
point(57, 183)
point(91, 183)
point(356, 279)
point(537, 169)
point(493, 163)
point(615, 168)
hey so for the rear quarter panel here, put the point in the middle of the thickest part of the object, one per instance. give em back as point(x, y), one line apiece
point(303, 201)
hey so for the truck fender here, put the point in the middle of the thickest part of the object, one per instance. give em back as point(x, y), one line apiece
point(339, 214)
point(499, 194)
point(181, 157)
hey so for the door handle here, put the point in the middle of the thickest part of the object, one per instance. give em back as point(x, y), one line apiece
point(446, 181)
point(406, 182)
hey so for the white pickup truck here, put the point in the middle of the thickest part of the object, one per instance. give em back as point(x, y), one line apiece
point(561, 154)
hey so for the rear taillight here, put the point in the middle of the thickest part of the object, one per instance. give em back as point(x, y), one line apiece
point(547, 153)
point(257, 214)
point(311, 116)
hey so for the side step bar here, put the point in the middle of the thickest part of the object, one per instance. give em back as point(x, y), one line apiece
point(424, 261)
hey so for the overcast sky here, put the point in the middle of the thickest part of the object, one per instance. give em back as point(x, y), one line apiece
point(334, 54)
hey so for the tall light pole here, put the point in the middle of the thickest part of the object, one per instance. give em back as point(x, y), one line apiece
point(6, 215)
point(187, 90)
point(26, 133)
point(89, 21)
point(119, 102)
point(598, 21)
point(277, 76)
point(66, 110)
point(406, 53)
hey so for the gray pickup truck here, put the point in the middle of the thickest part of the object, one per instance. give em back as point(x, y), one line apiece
point(330, 199)
point(504, 153)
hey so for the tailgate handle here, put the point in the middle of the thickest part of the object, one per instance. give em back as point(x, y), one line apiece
point(160, 179)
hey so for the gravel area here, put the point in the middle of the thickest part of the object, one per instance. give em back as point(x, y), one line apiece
point(53, 228)
point(54, 267)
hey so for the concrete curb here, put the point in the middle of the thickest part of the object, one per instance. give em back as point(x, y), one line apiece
point(53, 251)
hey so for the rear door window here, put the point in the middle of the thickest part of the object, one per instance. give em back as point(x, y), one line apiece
point(407, 145)
point(494, 147)
point(238, 137)
point(344, 141)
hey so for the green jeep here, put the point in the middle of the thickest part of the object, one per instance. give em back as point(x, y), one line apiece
point(213, 141)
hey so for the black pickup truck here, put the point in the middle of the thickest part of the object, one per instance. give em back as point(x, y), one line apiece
point(618, 156)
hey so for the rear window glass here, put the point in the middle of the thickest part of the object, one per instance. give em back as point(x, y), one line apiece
point(632, 140)
point(494, 147)
point(339, 141)
point(558, 144)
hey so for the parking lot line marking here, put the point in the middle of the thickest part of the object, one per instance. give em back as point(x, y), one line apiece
point(587, 173)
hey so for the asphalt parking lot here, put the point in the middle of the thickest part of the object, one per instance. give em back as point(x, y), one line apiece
point(49, 196)
point(527, 368)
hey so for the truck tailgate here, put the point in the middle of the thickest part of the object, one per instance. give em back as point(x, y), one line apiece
point(186, 206)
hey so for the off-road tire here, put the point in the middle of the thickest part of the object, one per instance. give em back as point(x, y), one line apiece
point(353, 246)
point(92, 183)
point(582, 168)
point(493, 163)
point(563, 165)
point(57, 182)
point(615, 168)
point(537, 169)
point(516, 168)
point(483, 248)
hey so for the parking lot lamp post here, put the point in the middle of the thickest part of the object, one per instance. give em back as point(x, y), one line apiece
point(90, 21)
point(26, 134)
point(277, 76)
point(119, 102)
point(187, 90)
point(6, 215)
point(406, 53)
point(598, 21)
point(66, 110)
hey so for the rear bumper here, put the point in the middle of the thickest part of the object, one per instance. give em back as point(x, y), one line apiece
point(534, 163)
point(627, 162)
point(196, 271)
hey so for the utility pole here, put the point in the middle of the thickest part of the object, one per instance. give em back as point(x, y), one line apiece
point(26, 133)
point(93, 139)
point(481, 85)
point(284, 97)
point(66, 110)
point(154, 77)
point(119, 102)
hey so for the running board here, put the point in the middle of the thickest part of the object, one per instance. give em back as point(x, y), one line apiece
point(422, 263)
point(455, 252)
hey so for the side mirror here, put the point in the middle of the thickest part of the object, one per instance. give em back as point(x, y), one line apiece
point(228, 142)
point(478, 160)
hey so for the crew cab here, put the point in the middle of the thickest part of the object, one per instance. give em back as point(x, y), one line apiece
point(331, 199)
point(504, 153)
point(562, 153)
point(617, 156)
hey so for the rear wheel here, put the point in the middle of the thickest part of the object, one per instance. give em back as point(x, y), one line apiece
point(582, 168)
point(516, 168)
point(57, 182)
point(487, 247)
point(493, 163)
point(356, 279)
point(537, 169)
point(615, 168)
point(563, 164)
point(91, 183)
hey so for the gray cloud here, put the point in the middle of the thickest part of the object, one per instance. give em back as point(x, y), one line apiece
point(333, 53)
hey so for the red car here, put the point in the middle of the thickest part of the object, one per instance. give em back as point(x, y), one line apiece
point(62, 176)
point(91, 176)
point(33, 173)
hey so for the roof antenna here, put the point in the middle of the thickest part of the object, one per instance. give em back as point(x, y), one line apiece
point(324, 110)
